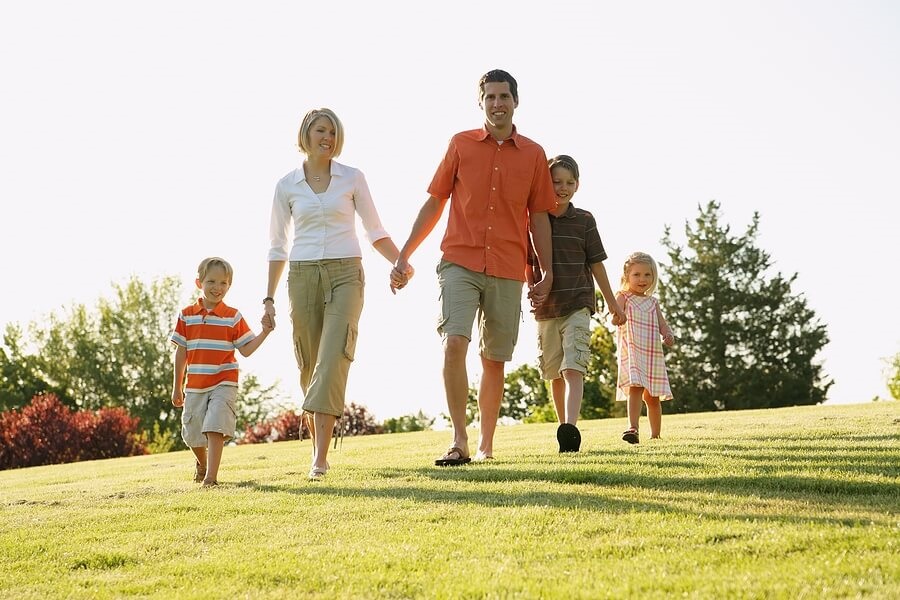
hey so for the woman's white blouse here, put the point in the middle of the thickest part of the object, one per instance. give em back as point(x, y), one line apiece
point(324, 224)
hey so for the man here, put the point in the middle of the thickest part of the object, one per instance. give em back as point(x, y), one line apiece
point(499, 186)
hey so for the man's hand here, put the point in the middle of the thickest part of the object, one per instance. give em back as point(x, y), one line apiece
point(178, 398)
point(400, 275)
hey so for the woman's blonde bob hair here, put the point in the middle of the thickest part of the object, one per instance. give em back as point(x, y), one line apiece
point(307, 123)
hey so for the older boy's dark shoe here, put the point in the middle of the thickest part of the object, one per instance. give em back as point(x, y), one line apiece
point(569, 438)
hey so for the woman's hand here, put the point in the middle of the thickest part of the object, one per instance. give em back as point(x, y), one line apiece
point(400, 275)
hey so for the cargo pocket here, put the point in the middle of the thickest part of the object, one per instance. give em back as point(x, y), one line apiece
point(541, 353)
point(350, 343)
point(582, 347)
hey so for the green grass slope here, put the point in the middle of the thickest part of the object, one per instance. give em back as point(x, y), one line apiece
point(783, 503)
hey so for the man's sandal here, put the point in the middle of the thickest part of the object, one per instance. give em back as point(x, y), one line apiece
point(454, 456)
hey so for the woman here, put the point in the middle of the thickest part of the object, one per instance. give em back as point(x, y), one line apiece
point(325, 276)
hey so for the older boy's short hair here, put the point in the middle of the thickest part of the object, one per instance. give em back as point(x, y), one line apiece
point(214, 261)
point(309, 119)
point(498, 76)
point(565, 161)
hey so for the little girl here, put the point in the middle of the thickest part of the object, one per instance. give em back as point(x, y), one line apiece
point(642, 368)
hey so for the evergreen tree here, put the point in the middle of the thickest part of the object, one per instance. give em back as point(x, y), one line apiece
point(743, 338)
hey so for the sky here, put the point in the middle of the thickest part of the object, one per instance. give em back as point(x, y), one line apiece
point(140, 137)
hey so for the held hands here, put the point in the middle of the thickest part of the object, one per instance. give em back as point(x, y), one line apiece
point(400, 275)
point(619, 318)
point(540, 291)
point(268, 320)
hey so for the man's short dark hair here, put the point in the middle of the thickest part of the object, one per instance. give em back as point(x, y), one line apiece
point(498, 76)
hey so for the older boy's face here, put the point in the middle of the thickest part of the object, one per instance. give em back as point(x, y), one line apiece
point(498, 104)
point(214, 286)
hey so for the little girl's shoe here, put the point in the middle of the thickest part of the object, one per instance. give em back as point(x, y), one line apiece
point(631, 436)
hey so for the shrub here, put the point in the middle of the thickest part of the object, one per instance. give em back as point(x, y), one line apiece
point(46, 432)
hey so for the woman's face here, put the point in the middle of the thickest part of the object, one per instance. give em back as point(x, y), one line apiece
point(321, 138)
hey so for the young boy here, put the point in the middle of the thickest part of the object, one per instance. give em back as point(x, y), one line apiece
point(564, 320)
point(206, 336)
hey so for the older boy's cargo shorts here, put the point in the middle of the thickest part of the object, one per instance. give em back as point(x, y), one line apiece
point(212, 410)
point(565, 343)
point(497, 302)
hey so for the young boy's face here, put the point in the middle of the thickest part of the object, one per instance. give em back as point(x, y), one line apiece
point(214, 286)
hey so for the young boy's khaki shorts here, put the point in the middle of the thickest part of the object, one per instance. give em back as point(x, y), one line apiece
point(496, 301)
point(565, 343)
point(212, 410)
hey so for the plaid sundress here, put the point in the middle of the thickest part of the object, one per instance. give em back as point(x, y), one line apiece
point(641, 361)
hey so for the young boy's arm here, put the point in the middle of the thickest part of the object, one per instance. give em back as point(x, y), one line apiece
point(251, 346)
point(612, 303)
point(178, 380)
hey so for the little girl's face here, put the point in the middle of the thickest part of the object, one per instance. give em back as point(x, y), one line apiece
point(564, 184)
point(640, 278)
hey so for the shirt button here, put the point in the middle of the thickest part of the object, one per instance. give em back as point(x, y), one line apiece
point(489, 227)
point(496, 168)
point(492, 208)
point(488, 247)
point(493, 189)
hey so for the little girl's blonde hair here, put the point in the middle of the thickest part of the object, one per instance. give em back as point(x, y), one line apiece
point(640, 258)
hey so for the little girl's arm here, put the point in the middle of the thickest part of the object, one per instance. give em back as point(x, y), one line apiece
point(664, 329)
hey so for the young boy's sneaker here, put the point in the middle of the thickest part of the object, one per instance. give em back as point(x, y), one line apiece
point(631, 436)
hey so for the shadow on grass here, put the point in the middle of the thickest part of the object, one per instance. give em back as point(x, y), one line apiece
point(587, 487)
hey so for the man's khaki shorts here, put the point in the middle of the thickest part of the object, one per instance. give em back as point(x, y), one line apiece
point(212, 410)
point(497, 302)
point(565, 343)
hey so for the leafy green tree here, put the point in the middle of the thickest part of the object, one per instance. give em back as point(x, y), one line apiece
point(743, 339)
point(893, 376)
point(20, 374)
point(417, 422)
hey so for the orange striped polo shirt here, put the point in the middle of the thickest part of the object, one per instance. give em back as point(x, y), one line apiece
point(210, 337)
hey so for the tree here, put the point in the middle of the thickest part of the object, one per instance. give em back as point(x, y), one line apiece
point(893, 376)
point(417, 422)
point(744, 340)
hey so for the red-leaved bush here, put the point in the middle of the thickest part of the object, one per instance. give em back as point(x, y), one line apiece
point(46, 432)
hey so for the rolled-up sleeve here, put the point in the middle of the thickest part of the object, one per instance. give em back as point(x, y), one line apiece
point(280, 225)
point(365, 208)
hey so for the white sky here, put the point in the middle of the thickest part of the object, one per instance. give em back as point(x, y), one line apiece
point(138, 138)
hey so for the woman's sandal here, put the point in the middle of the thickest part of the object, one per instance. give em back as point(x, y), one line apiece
point(631, 436)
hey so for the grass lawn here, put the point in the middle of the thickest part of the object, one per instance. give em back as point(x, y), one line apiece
point(783, 503)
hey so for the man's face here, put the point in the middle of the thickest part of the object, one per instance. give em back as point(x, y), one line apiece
point(498, 104)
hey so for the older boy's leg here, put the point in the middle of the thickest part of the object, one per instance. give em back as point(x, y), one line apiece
point(558, 391)
point(575, 383)
point(216, 444)
point(490, 393)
